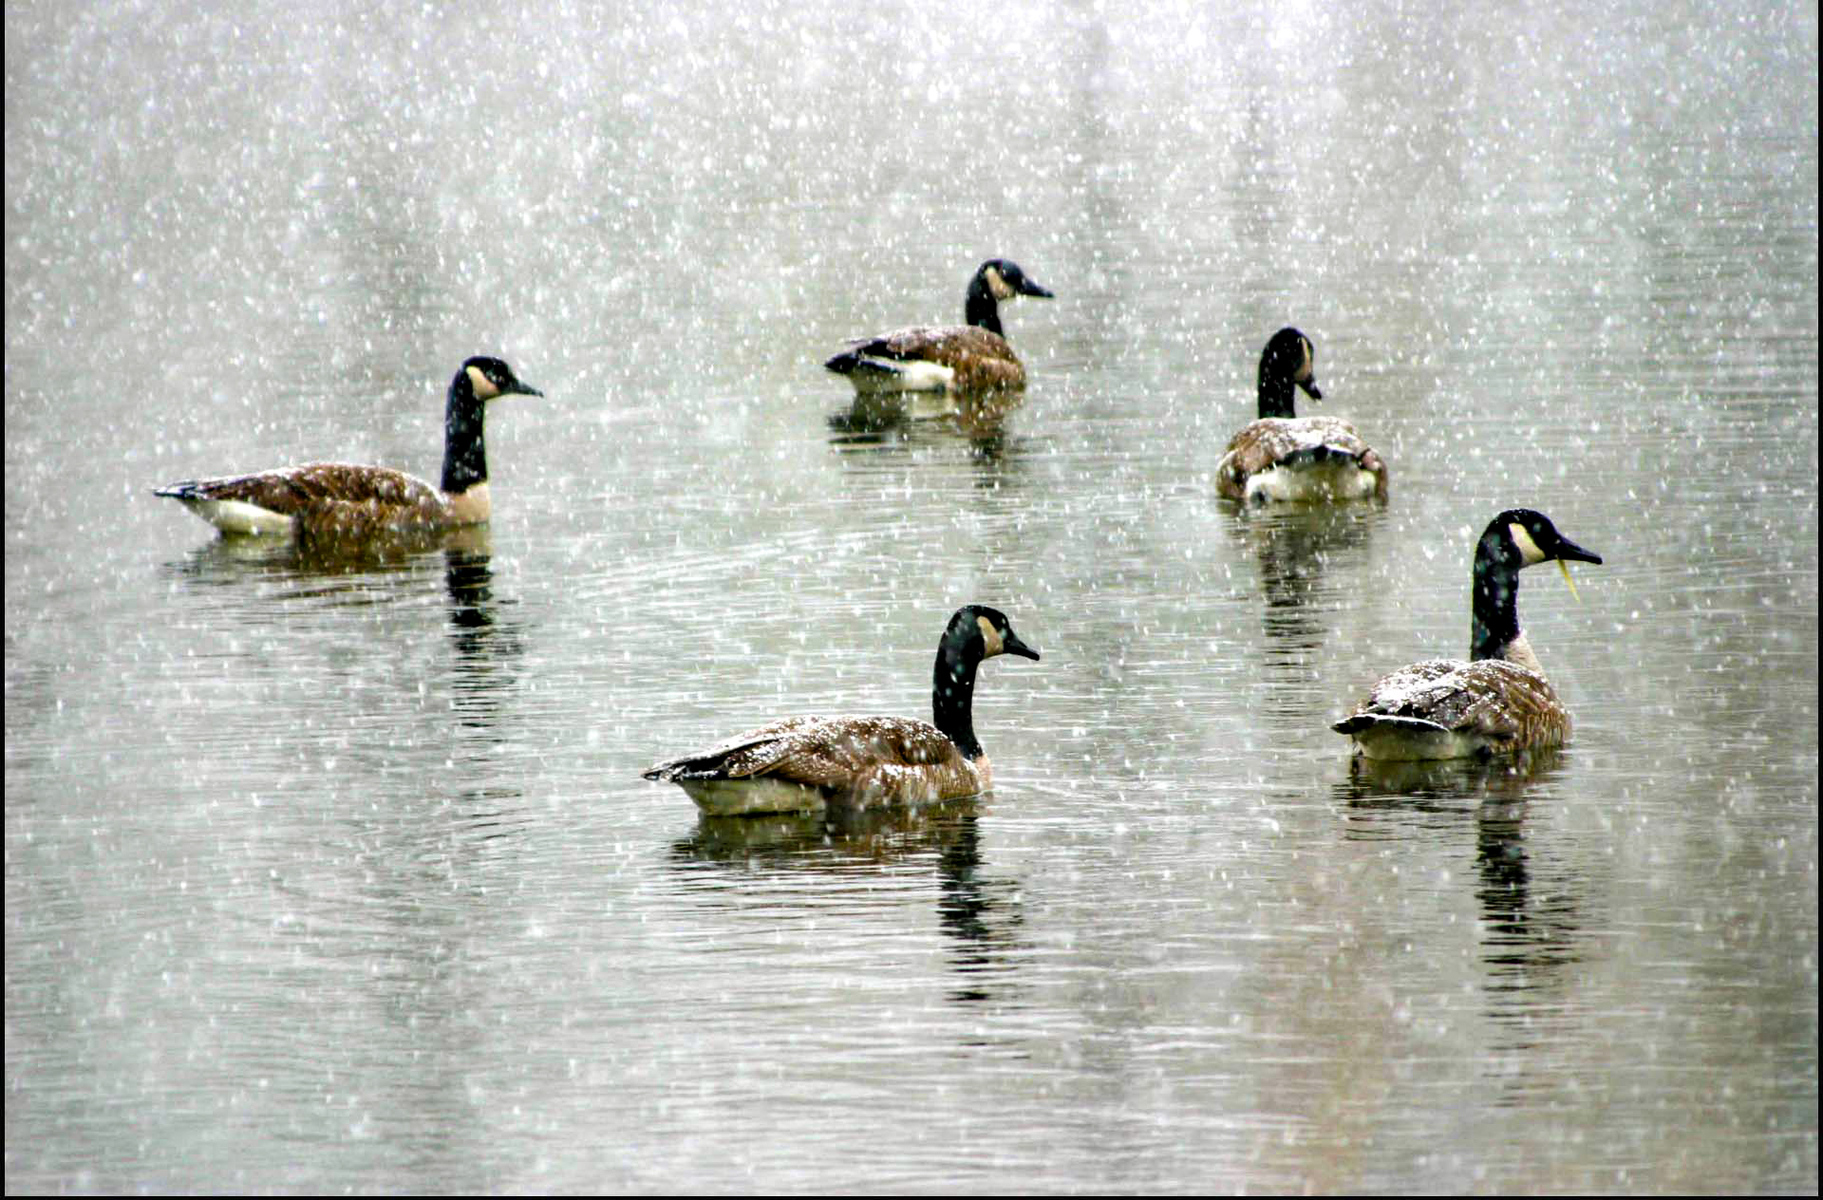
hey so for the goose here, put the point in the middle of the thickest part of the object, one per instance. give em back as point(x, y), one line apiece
point(970, 357)
point(1282, 456)
point(334, 501)
point(806, 763)
point(1499, 702)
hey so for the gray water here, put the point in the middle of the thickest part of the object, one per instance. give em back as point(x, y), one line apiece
point(339, 875)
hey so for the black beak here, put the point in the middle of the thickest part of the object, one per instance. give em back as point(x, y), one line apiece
point(1012, 645)
point(1570, 550)
point(1310, 388)
point(1028, 288)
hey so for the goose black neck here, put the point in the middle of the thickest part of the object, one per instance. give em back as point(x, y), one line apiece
point(1495, 622)
point(981, 308)
point(1276, 389)
point(952, 698)
point(464, 450)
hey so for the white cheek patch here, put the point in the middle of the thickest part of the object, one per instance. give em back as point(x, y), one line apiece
point(484, 387)
point(1309, 366)
point(1528, 549)
point(998, 285)
point(991, 638)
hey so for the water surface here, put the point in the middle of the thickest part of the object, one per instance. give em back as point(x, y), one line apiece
point(338, 874)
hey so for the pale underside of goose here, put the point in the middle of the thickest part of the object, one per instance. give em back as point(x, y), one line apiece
point(804, 763)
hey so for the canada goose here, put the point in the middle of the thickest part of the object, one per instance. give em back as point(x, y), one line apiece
point(803, 763)
point(973, 356)
point(333, 501)
point(1285, 457)
point(1497, 703)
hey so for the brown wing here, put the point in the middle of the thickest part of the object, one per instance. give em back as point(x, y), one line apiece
point(1500, 703)
point(871, 757)
point(1514, 706)
point(1287, 441)
point(982, 360)
point(330, 499)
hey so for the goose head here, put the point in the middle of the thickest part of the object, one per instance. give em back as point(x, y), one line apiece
point(1288, 361)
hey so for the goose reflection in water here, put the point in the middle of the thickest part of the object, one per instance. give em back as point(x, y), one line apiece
point(1296, 549)
point(486, 650)
point(882, 418)
point(1307, 558)
point(1000, 459)
point(979, 913)
point(346, 571)
point(1532, 921)
point(487, 645)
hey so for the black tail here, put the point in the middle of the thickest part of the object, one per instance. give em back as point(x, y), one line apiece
point(1312, 456)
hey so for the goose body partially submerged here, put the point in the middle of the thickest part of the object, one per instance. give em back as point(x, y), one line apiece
point(970, 357)
point(805, 763)
point(1499, 702)
point(1282, 456)
point(341, 501)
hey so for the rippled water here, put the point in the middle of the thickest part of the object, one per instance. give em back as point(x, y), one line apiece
point(338, 873)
